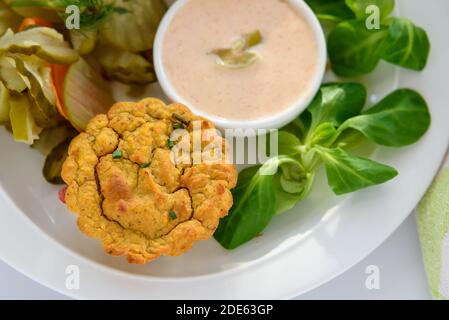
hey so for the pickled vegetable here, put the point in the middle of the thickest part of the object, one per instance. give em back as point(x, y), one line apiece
point(33, 10)
point(43, 42)
point(136, 29)
point(85, 94)
point(238, 55)
point(22, 122)
point(8, 18)
point(53, 163)
point(58, 73)
point(28, 23)
point(11, 77)
point(52, 137)
point(43, 102)
point(125, 66)
point(83, 41)
point(4, 104)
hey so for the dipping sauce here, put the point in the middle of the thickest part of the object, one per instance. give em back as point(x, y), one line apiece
point(287, 57)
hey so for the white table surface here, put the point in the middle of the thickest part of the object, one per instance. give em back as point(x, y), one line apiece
point(398, 259)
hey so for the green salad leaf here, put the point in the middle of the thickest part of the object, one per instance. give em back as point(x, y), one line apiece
point(331, 10)
point(259, 196)
point(356, 45)
point(346, 173)
point(400, 119)
point(337, 102)
point(359, 7)
point(353, 49)
point(323, 135)
point(406, 45)
point(255, 206)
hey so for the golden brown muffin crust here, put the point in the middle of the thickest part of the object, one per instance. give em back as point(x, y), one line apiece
point(142, 205)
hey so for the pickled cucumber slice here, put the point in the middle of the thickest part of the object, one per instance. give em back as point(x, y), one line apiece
point(39, 111)
point(85, 94)
point(22, 123)
point(42, 97)
point(43, 102)
point(238, 55)
point(10, 76)
point(83, 40)
point(125, 66)
point(38, 73)
point(234, 60)
point(33, 11)
point(53, 163)
point(136, 29)
point(46, 43)
point(4, 104)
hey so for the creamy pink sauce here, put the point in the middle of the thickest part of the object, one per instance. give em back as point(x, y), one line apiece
point(280, 76)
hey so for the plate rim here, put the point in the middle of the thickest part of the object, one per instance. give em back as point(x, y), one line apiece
point(7, 202)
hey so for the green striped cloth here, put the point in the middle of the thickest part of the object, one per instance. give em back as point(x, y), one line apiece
point(433, 226)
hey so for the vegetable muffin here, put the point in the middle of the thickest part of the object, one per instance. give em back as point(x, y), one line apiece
point(130, 192)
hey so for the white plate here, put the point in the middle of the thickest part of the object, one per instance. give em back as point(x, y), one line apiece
point(300, 250)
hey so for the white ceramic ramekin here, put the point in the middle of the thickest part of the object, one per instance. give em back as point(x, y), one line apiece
point(272, 122)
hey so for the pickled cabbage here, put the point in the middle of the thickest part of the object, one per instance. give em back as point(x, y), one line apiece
point(125, 66)
point(135, 30)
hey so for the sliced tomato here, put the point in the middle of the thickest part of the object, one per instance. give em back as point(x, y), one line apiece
point(61, 194)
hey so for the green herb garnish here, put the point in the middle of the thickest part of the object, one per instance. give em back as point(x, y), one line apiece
point(145, 165)
point(180, 119)
point(323, 135)
point(177, 125)
point(117, 154)
point(238, 55)
point(92, 12)
point(170, 144)
point(173, 215)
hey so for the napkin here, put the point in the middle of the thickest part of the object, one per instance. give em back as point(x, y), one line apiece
point(433, 226)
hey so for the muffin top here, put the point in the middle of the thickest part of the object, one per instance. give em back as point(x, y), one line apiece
point(139, 188)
